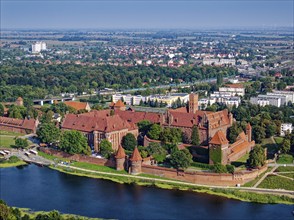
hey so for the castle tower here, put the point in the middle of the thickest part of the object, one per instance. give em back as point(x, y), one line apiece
point(249, 132)
point(136, 162)
point(19, 101)
point(193, 103)
point(120, 158)
point(218, 149)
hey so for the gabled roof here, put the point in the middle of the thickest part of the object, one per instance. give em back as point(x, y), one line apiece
point(120, 153)
point(89, 123)
point(119, 103)
point(219, 138)
point(136, 156)
point(242, 136)
point(76, 105)
point(18, 123)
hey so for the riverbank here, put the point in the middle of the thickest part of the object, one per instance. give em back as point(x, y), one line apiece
point(11, 162)
point(25, 213)
point(238, 194)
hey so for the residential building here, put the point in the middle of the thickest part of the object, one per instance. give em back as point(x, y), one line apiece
point(286, 128)
point(233, 89)
point(38, 47)
point(262, 100)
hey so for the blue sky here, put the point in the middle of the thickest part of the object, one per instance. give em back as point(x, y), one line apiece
point(146, 14)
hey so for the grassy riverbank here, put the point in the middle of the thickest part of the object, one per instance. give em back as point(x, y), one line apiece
point(238, 194)
point(27, 214)
point(11, 162)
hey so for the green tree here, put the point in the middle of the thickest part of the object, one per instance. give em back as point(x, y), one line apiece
point(21, 143)
point(233, 132)
point(129, 142)
point(5, 212)
point(143, 151)
point(257, 157)
point(195, 140)
point(179, 159)
point(171, 135)
point(106, 148)
point(48, 133)
point(270, 130)
point(258, 133)
point(74, 142)
point(144, 126)
point(286, 145)
point(219, 168)
point(1, 109)
point(154, 131)
point(158, 152)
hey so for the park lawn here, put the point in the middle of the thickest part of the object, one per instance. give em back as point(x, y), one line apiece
point(276, 182)
point(244, 158)
point(48, 156)
point(6, 141)
point(270, 145)
point(285, 159)
point(95, 167)
point(285, 169)
point(253, 182)
point(279, 140)
point(10, 133)
point(16, 164)
point(291, 175)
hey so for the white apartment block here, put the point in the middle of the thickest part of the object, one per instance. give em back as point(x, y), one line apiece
point(219, 62)
point(240, 91)
point(263, 100)
point(286, 128)
point(288, 94)
point(38, 47)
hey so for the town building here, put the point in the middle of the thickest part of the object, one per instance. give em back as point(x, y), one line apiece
point(286, 128)
point(38, 47)
point(78, 106)
point(275, 100)
point(233, 89)
point(219, 62)
point(24, 126)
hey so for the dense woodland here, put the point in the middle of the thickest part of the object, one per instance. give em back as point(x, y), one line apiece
point(33, 80)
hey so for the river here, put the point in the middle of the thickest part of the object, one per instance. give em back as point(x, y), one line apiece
point(41, 188)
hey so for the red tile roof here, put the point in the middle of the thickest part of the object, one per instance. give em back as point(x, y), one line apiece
point(219, 138)
point(248, 126)
point(136, 156)
point(76, 105)
point(88, 123)
point(29, 124)
point(236, 85)
point(120, 153)
point(119, 103)
point(217, 119)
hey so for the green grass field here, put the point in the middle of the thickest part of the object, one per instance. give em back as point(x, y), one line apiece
point(285, 169)
point(291, 175)
point(279, 140)
point(253, 182)
point(6, 141)
point(277, 182)
point(10, 133)
point(285, 159)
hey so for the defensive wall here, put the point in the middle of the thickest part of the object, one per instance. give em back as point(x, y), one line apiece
point(205, 178)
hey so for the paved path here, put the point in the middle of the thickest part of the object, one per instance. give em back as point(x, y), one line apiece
point(277, 174)
point(259, 190)
point(264, 176)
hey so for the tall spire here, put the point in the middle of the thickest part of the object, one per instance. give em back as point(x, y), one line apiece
point(136, 156)
point(120, 153)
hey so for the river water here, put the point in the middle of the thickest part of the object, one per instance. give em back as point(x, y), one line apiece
point(40, 188)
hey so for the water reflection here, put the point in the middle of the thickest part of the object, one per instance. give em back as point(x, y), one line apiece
point(45, 189)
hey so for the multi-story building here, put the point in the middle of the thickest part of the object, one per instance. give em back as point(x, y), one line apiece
point(233, 89)
point(286, 128)
point(289, 95)
point(38, 47)
point(219, 62)
point(262, 100)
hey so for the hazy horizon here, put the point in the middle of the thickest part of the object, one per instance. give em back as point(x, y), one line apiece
point(138, 14)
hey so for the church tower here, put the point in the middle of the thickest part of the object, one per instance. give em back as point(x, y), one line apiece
point(136, 162)
point(193, 103)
